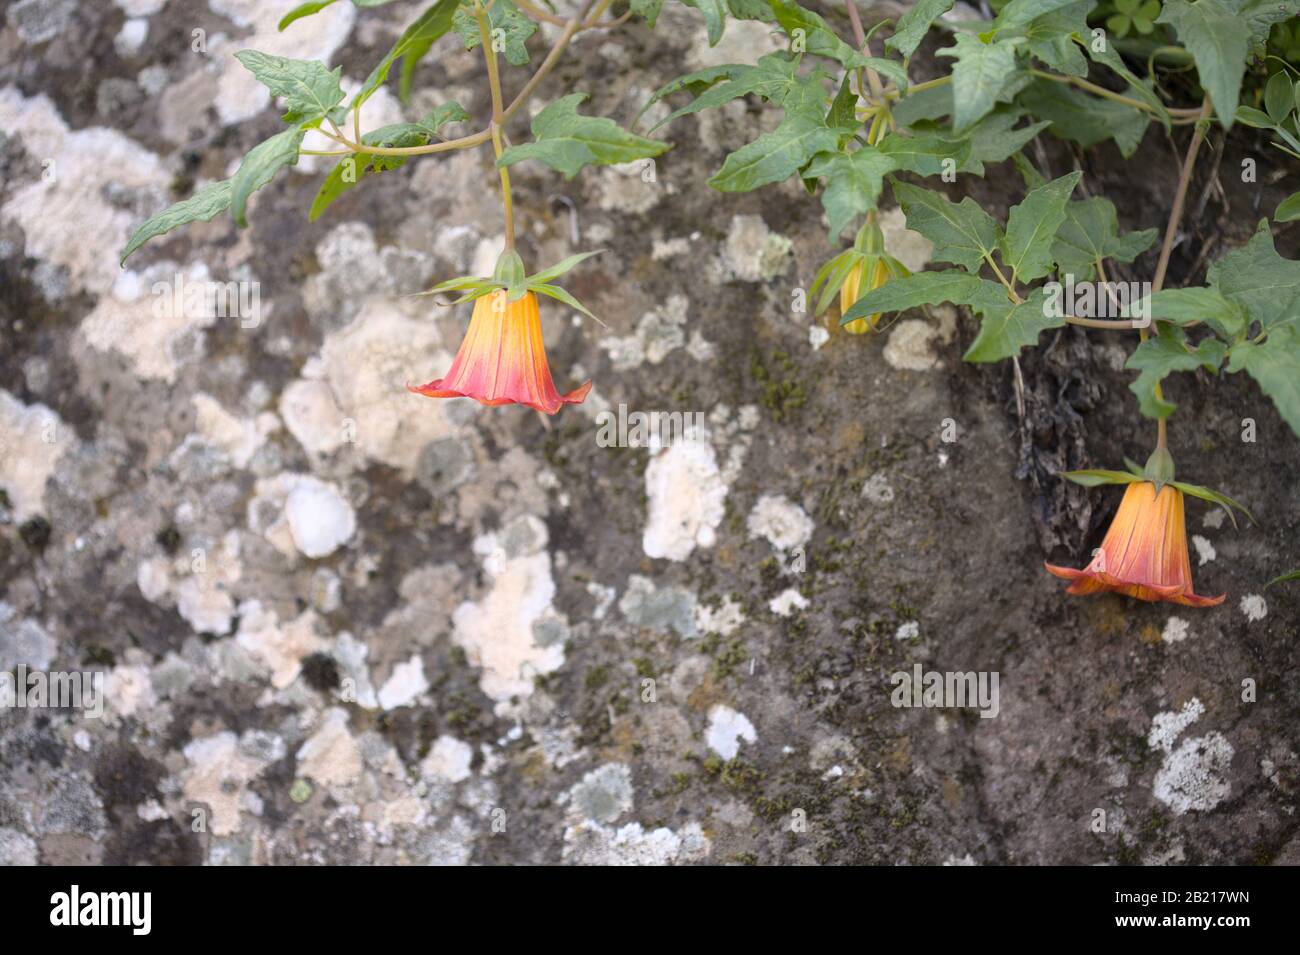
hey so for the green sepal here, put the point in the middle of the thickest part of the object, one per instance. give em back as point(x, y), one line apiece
point(1095, 477)
point(561, 295)
point(509, 272)
point(457, 284)
point(559, 268)
point(1214, 497)
point(831, 278)
point(869, 240)
point(1159, 468)
point(477, 292)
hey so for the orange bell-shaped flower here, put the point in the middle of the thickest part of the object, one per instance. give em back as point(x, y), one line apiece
point(502, 360)
point(1144, 554)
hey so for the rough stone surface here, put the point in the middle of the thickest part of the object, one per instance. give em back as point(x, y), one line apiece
point(349, 624)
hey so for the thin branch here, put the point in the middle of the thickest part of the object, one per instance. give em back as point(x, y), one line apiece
point(553, 57)
point(855, 21)
point(498, 116)
point(571, 28)
point(1180, 197)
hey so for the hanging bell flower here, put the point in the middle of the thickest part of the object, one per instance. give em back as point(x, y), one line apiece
point(502, 359)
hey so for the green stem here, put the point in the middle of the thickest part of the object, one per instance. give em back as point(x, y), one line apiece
point(498, 117)
point(1083, 84)
point(1185, 115)
point(1011, 289)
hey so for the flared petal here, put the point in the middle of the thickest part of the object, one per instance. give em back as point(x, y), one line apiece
point(502, 360)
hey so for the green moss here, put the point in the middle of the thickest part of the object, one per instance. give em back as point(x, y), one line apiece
point(782, 394)
point(740, 777)
point(731, 656)
point(678, 783)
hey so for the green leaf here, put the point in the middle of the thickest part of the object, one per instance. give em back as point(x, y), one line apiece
point(1029, 173)
point(1020, 13)
point(751, 10)
point(260, 166)
point(994, 139)
point(351, 169)
point(696, 83)
point(648, 10)
point(962, 233)
point(1008, 328)
point(1031, 228)
point(410, 47)
point(200, 207)
point(450, 112)
point(1054, 37)
point(567, 141)
point(1289, 575)
point(1260, 15)
point(821, 40)
point(310, 90)
point(1162, 354)
point(1275, 366)
point(1214, 497)
point(1086, 120)
point(1288, 210)
point(1187, 306)
point(853, 182)
point(503, 15)
point(915, 23)
point(715, 17)
point(776, 155)
point(302, 10)
point(1266, 285)
point(924, 153)
point(1096, 477)
point(979, 76)
point(843, 114)
point(773, 77)
point(1279, 96)
point(1254, 117)
point(1211, 31)
point(930, 103)
point(928, 288)
point(1091, 232)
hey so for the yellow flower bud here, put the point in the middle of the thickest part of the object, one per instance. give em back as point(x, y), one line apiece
point(868, 275)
